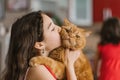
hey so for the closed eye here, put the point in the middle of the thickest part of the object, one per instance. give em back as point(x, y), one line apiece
point(50, 25)
point(53, 29)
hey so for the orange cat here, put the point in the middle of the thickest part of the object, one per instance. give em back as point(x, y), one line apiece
point(73, 38)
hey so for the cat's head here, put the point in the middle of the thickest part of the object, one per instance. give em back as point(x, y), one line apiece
point(73, 37)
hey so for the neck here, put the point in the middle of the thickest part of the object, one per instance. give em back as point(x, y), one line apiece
point(46, 53)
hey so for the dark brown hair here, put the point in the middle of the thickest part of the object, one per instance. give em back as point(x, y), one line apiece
point(24, 33)
point(110, 32)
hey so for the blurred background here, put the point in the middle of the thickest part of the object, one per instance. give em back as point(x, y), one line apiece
point(88, 14)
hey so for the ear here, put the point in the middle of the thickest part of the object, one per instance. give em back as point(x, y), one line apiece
point(39, 45)
point(66, 22)
point(87, 33)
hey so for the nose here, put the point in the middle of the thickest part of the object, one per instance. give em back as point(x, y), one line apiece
point(59, 29)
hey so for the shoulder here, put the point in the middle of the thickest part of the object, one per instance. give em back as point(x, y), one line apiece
point(34, 72)
point(39, 73)
point(37, 68)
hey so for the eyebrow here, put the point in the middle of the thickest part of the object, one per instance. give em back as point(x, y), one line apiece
point(49, 25)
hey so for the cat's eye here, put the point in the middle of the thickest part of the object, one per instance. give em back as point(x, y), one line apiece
point(77, 36)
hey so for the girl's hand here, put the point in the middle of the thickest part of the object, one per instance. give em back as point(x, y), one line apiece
point(71, 57)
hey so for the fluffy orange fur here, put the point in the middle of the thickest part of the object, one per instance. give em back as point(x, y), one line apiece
point(73, 38)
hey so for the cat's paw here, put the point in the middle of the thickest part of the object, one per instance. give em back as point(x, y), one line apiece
point(33, 64)
point(35, 61)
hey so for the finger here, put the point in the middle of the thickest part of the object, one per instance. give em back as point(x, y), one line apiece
point(78, 54)
point(66, 56)
point(67, 51)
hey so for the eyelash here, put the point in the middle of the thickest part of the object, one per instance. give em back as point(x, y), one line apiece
point(53, 29)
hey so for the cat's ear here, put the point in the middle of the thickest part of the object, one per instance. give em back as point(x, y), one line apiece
point(87, 33)
point(39, 45)
point(66, 22)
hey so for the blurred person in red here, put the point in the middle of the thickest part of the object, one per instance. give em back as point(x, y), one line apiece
point(109, 51)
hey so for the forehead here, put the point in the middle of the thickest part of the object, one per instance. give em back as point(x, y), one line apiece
point(46, 20)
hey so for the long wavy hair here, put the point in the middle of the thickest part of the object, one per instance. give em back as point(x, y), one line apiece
point(110, 32)
point(24, 33)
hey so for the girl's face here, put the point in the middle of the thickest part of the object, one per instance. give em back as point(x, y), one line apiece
point(51, 33)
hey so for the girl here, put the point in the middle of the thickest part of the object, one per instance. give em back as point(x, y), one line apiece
point(109, 50)
point(35, 34)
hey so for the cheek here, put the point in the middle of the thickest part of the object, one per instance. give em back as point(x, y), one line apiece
point(53, 41)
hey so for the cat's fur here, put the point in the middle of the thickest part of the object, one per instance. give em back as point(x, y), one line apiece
point(73, 38)
point(58, 68)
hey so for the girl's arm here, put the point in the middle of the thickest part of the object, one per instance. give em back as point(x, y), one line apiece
point(70, 58)
point(96, 63)
point(71, 73)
